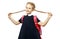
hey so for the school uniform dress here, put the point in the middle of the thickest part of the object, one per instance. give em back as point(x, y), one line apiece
point(28, 29)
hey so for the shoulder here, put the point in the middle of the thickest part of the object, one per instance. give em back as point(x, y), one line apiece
point(35, 17)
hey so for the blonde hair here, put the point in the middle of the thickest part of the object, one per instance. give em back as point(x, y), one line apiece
point(31, 4)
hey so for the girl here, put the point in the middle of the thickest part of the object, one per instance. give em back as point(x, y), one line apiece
point(28, 29)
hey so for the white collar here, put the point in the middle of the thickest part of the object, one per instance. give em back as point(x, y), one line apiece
point(29, 14)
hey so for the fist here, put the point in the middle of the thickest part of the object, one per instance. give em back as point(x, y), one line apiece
point(49, 14)
point(9, 15)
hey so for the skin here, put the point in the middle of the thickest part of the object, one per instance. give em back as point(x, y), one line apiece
point(29, 9)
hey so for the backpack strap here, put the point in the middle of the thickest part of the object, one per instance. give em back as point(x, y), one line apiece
point(37, 25)
point(22, 18)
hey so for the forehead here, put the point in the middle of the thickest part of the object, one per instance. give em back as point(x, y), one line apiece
point(29, 5)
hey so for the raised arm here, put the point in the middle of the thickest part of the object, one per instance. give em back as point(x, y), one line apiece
point(13, 20)
point(46, 20)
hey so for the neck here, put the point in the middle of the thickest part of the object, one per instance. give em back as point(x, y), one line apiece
point(28, 13)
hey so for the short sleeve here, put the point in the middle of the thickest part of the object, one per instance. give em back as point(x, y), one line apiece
point(20, 20)
point(38, 20)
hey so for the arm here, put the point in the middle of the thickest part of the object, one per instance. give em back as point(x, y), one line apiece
point(46, 20)
point(14, 21)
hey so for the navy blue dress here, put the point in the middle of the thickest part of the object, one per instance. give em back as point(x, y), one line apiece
point(28, 29)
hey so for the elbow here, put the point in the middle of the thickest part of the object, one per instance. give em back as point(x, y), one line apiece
point(43, 25)
point(16, 23)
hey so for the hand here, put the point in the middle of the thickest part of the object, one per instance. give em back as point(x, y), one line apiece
point(10, 14)
point(49, 14)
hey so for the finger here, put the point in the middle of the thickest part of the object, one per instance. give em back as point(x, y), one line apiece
point(50, 14)
point(9, 14)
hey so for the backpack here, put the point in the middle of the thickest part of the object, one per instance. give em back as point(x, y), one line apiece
point(38, 27)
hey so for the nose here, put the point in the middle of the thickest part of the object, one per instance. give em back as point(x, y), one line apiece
point(27, 10)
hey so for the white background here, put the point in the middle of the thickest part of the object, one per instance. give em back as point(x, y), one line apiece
point(10, 31)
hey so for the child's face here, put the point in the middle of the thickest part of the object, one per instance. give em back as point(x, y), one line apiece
point(29, 8)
